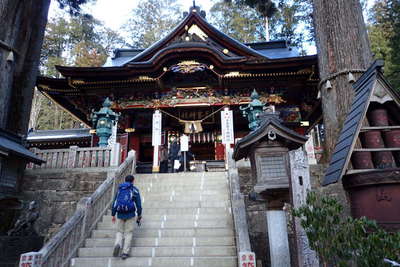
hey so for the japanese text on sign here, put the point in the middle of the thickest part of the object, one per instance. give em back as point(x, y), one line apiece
point(227, 126)
point(32, 259)
point(247, 259)
point(156, 134)
point(184, 143)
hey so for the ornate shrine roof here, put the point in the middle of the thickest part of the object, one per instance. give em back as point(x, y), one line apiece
point(194, 55)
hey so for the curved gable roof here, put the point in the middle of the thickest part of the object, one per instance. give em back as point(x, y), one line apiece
point(214, 39)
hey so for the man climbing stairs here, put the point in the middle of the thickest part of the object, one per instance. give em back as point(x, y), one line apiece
point(187, 221)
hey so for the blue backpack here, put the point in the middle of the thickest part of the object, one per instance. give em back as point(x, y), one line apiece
point(124, 201)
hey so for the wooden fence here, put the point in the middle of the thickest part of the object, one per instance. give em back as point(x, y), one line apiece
point(77, 157)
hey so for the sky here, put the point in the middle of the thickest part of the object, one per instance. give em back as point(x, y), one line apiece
point(113, 13)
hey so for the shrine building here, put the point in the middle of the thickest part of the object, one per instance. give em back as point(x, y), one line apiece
point(190, 76)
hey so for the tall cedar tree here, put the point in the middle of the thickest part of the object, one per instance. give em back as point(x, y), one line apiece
point(342, 45)
point(21, 35)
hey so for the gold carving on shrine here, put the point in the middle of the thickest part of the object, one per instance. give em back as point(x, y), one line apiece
point(188, 66)
point(275, 99)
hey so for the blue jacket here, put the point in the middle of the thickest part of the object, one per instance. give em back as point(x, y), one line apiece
point(136, 199)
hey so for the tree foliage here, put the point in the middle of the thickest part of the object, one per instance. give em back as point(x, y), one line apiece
point(384, 34)
point(293, 22)
point(288, 19)
point(266, 8)
point(344, 241)
point(151, 20)
point(73, 6)
point(78, 41)
point(241, 23)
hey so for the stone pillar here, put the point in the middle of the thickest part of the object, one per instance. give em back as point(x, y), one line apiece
point(278, 238)
point(115, 155)
point(300, 185)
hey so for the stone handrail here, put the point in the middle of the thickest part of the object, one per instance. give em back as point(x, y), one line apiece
point(76, 157)
point(60, 249)
point(238, 209)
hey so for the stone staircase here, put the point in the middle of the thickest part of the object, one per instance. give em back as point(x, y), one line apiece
point(187, 221)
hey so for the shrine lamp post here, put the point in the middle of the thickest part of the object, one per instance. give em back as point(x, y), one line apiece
point(253, 111)
point(103, 120)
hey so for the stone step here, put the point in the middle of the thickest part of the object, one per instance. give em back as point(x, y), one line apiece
point(186, 204)
point(161, 251)
point(187, 190)
point(222, 183)
point(183, 198)
point(182, 181)
point(186, 180)
point(172, 224)
point(203, 216)
point(156, 262)
point(181, 175)
point(177, 194)
point(184, 211)
point(187, 232)
point(165, 241)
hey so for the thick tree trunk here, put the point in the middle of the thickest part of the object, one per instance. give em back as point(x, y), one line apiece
point(342, 45)
point(22, 29)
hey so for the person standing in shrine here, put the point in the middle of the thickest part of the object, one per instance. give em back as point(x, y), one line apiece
point(174, 151)
point(163, 159)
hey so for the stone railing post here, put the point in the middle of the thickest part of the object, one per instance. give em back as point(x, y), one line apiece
point(245, 256)
point(115, 155)
point(84, 204)
point(72, 156)
point(132, 153)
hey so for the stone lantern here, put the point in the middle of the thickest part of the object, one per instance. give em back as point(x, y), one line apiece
point(103, 120)
point(253, 110)
point(270, 147)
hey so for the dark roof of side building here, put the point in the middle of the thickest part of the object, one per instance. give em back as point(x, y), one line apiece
point(12, 144)
point(49, 135)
